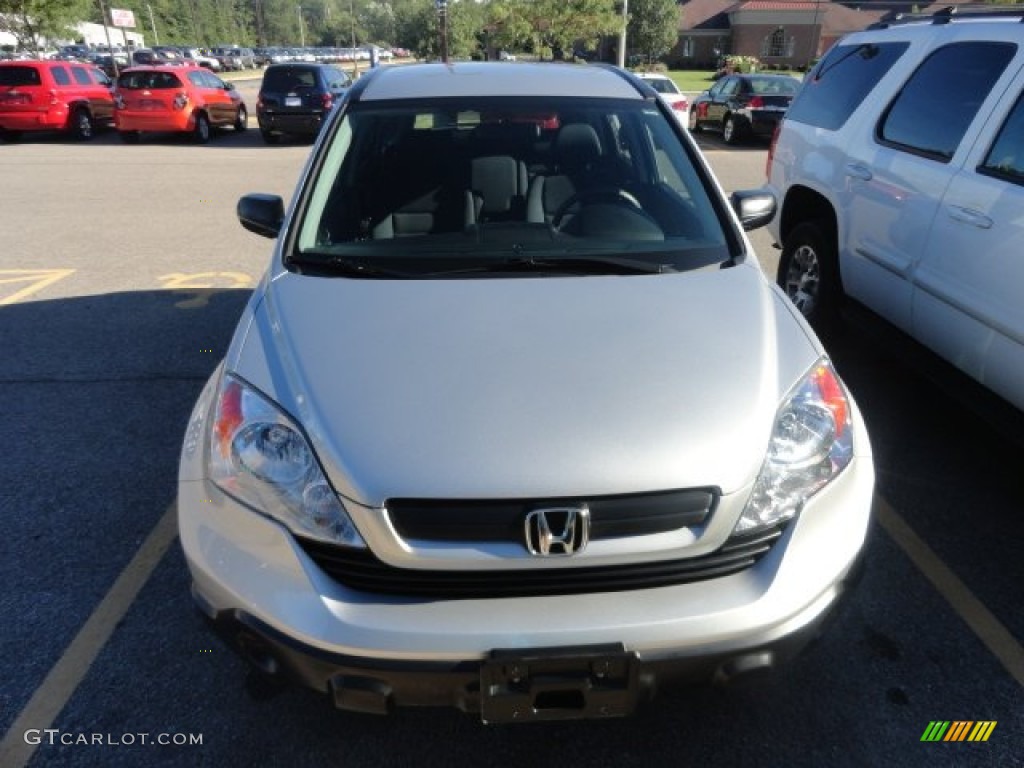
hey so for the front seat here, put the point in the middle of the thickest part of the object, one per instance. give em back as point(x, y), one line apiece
point(577, 151)
point(498, 189)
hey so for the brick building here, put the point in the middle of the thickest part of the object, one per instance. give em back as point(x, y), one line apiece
point(782, 33)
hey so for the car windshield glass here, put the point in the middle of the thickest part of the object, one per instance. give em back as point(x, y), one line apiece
point(461, 183)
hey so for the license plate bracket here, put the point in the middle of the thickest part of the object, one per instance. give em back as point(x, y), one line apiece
point(558, 684)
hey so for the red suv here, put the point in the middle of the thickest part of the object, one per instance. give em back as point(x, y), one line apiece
point(53, 96)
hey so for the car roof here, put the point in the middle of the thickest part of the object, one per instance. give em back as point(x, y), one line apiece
point(158, 68)
point(417, 81)
point(763, 76)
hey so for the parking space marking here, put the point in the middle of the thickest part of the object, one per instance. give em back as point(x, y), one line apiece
point(200, 286)
point(996, 637)
point(65, 676)
point(37, 280)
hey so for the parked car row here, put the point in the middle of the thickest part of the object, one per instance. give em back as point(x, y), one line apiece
point(328, 55)
point(79, 98)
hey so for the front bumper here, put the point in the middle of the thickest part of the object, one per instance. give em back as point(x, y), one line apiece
point(373, 652)
point(565, 683)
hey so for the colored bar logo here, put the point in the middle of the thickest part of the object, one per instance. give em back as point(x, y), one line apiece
point(958, 730)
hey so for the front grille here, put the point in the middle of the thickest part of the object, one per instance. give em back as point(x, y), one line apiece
point(490, 520)
point(362, 571)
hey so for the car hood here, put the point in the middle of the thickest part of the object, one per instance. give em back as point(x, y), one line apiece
point(528, 386)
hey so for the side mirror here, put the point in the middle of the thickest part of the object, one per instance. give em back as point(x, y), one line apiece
point(229, 86)
point(754, 207)
point(262, 214)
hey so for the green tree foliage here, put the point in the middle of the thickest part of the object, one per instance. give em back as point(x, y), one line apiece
point(543, 27)
point(549, 26)
point(32, 21)
point(653, 28)
point(420, 30)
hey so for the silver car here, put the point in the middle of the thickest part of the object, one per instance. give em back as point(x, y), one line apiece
point(514, 422)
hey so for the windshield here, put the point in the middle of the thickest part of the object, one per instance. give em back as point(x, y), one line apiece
point(449, 185)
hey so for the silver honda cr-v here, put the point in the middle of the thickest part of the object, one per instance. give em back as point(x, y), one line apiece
point(514, 422)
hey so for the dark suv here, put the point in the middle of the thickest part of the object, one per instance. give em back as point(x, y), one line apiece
point(53, 96)
point(295, 98)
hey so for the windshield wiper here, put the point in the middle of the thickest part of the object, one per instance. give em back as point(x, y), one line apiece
point(590, 265)
point(338, 265)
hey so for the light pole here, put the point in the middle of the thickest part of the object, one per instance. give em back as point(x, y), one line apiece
point(352, 29)
point(622, 35)
point(302, 29)
point(442, 21)
point(152, 24)
point(815, 35)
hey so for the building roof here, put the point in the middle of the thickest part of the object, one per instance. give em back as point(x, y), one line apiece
point(705, 15)
point(835, 18)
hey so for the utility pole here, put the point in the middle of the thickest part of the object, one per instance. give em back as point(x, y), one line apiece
point(302, 29)
point(110, 46)
point(352, 29)
point(622, 34)
point(442, 21)
point(152, 24)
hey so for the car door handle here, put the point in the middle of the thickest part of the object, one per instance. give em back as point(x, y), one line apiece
point(858, 171)
point(969, 216)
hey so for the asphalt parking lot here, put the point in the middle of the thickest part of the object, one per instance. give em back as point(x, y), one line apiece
point(122, 273)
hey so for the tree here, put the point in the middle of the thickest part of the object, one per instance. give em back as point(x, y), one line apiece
point(549, 26)
point(653, 27)
point(417, 27)
point(32, 21)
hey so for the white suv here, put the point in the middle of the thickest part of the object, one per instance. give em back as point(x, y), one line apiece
point(900, 174)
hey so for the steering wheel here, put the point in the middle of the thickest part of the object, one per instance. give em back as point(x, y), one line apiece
point(615, 195)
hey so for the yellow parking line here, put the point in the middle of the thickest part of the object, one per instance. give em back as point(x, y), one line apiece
point(996, 637)
point(37, 279)
point(65, 676)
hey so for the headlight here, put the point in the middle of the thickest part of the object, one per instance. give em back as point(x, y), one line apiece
point(811, 443)
point(260, 457)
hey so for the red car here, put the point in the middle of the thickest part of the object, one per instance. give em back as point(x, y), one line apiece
point(176, 99)
point(53, 96)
